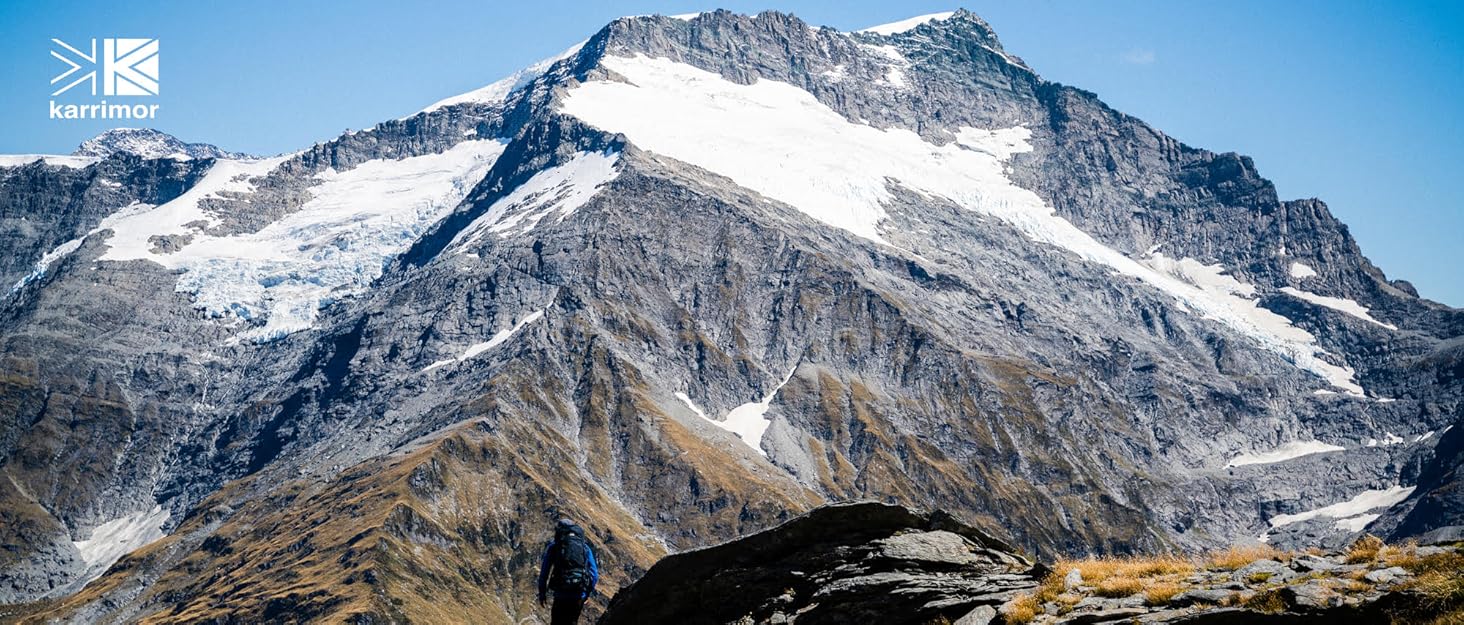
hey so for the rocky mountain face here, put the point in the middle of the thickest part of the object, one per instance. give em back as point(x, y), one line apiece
point(684, 282)
point(871, 562)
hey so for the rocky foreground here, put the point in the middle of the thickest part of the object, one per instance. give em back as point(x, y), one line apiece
point(871, 562)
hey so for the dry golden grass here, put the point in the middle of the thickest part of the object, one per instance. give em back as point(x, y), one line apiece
point(1364, 549)
point(1067, 601)
point(1405, 555)
point(1439, 578)
point(1267, 601)
point(1160, 593)
point(1095, 570)
point(1239, 556)
point(1454, 617)
point(1119, 587)
point(1021, 609)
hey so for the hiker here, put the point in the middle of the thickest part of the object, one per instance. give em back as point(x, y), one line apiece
point(568, 568)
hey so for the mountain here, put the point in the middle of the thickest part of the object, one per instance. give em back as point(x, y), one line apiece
point(684, 282)
point(149, 144)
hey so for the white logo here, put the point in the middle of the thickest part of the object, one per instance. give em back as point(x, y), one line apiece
point(129, 67)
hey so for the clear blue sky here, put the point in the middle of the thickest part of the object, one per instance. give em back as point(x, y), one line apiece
point(1357, 103)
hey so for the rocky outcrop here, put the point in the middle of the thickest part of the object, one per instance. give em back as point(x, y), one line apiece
point(878, 563)
point(843, 563)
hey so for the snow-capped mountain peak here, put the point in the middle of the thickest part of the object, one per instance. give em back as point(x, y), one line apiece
point(148, 143)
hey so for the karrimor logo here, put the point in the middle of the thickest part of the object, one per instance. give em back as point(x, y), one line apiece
point(125, 67)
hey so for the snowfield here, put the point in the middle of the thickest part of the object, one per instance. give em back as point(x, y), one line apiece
point(1353, 513)
point(894, 28)
point(1301, 271)
point(1342, 305)
point(333, 246)
point(1294, 449)
point(497, 91)
point(780, 141)
point(746, 421)
point(557, 191)
point(119, 537)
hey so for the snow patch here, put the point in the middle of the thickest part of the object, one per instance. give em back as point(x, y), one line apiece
point(694, 408)
point(780, 141)
point(133, 227)
point(1388, 438)
point(1355, 524)
point(39, 269)
point(496, 92)
point(497, 339)
point(894, 28)
point(1338, 304)
point(441, 363)
point(559, 190)
point(501, 336)
point(746, 421)
point(1364, 502)
point(1293, 449)
point(119, 537)
point(895, 67)
point(1301, 271)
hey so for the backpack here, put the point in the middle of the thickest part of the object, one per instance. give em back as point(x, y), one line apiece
point(571, 564)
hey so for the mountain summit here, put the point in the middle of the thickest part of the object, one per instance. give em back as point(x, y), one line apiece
point(684, 282)
point(148, 143)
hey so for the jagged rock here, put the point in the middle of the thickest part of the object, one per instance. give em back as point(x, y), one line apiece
point(1212, 596)
point(1264, 570)
point(859, 562)
point(1307, 562)
point(1107, 615)
point(1072, 580)
point(1384, 576)
point(1312, 595)
point(982, 615)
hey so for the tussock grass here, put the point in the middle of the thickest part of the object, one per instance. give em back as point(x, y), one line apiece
point(1159, 579)
point(1239, 556)
point(1021, 609)
point(1439, 578)
point(1160, 593)
point(1098, 569)
point(1115, 587)
point(1404, 555)
point(1267, 601)
point(1364, 549)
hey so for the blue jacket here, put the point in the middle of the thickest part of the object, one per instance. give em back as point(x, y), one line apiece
point(547, 563)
